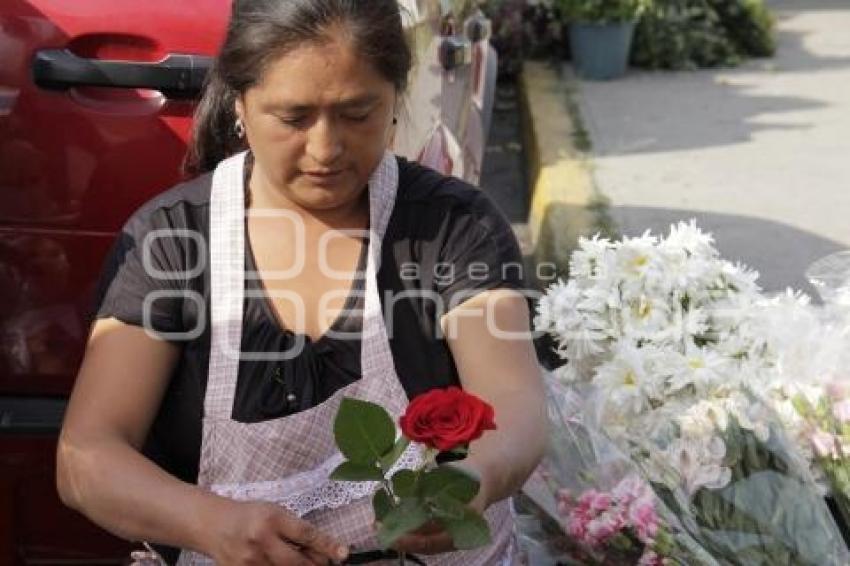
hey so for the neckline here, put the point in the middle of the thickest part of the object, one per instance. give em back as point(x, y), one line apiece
point(271, 314)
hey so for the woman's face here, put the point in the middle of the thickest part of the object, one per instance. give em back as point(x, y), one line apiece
point(318, 124)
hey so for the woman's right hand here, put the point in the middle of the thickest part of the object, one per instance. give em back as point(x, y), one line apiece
point(257, 533)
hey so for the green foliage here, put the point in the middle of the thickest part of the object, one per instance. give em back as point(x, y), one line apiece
point(470, 531)
point(688, 34)
point(382, 504)
point(449, 481)
point(407, 516)
point(390, 458)
point(749, 25)
point(601, 11)
point(766, 514)
point(353, 471)
point(364, 432)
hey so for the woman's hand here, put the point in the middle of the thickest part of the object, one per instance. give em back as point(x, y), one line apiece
point(265, 534)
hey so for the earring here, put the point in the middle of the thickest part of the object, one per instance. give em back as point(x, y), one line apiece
point(395, 121)
point(239, 128)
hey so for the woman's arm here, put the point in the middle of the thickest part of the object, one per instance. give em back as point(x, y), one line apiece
point(101, 473)
point(99, 470)
point(490, 341)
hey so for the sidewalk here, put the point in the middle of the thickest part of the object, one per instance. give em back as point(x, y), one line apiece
point(759, 155)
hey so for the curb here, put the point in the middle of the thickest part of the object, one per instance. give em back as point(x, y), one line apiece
point(563, 196)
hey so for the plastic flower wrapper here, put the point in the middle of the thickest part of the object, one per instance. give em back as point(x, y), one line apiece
point(667, 337)
point(810, 387)
point(608, 512)
point(735, 483)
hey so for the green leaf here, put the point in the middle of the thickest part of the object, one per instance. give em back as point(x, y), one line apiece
point(364, 431)
point(447, 508)
point(404, 483)
point(471, 531)
point(353, 471)
point(381, 504)
point(451, 481)
point(390, 458)
point(408, 516)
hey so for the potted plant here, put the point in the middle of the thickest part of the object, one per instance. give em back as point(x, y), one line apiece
point(601, 34)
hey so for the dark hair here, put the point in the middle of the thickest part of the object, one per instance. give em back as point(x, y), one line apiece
point(262, 30)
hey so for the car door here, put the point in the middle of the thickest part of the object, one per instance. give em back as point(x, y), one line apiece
point(76, 157)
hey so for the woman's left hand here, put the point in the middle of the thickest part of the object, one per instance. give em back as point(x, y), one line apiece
point(432, 538)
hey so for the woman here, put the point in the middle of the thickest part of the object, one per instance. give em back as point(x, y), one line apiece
point(201, 417)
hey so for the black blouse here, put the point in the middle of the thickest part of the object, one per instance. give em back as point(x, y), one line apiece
point(445, 242)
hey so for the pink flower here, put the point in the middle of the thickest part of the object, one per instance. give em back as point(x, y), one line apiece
point(841, 411)
point(577, 527)
point(837, 390)
point(598, 516)
point(644, 520)
point(603, 528)
point(600, 502)
point(824, 444)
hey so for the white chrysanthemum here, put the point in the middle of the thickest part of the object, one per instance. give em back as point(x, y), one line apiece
point(702, 368)
point(694, 323)
point(587, 338)
point(646, 317)
point(740, 278)
point(636, 257)
point(624, 381)
point(592, 258)
point(600, 299)
point(687, 237)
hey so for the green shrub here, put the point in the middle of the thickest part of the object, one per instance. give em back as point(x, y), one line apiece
point(687, 34)
point(749, 25)
point(601, 11)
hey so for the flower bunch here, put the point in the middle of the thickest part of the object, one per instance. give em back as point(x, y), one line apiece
point(666, 341)
point(622, 521)
point(810, 384)
point(441, 420)
point(608, 512)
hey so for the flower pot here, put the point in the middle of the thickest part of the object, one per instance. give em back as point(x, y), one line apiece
point(601, 51)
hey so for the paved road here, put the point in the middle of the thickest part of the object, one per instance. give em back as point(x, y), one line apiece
point(760, 155)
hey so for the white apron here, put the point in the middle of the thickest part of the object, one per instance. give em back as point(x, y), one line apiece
point(288, 460)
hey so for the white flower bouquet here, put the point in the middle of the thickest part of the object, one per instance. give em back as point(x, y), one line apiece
point(810, 383)
point(665, 341)
point(608, 511)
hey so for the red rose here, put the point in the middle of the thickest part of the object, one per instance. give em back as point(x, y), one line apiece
point(446, 418)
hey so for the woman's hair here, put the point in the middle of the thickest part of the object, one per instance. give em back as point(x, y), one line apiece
point(261, 31)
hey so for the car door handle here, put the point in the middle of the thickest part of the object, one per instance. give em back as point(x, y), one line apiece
point(176, 76)
point(455, 52)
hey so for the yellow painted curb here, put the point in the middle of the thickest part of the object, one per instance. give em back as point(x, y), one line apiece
point(560, 179)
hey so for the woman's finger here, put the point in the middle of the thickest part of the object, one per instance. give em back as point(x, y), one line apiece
point(308, 536)
point(317, 557)
point(281, 553)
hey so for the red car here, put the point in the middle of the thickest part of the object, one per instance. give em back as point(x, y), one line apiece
point(96, 102)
